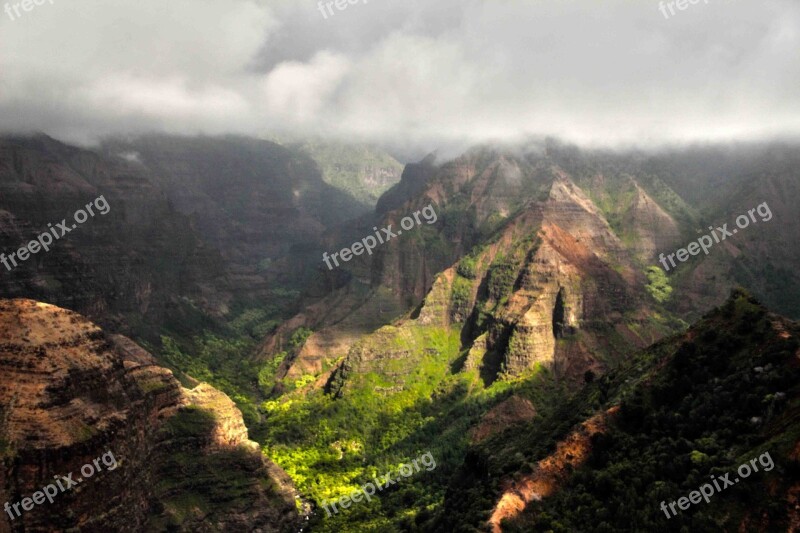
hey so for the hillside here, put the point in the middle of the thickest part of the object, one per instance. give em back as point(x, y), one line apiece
point(526, 235)
point(536, 279)
point(525, 301)
point(265, 207)
point(136, 267)
point(180, 459)
point(364, 172)
point(628, 194)
point(694, 405)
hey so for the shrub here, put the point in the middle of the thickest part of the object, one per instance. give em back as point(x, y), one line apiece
point(658, 285)
point(468, 267)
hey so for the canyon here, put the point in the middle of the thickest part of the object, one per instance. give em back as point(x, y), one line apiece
point(518, 315)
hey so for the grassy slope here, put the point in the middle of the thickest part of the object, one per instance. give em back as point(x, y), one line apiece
point(332, 446)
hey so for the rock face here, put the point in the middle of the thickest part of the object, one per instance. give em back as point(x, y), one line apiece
point(140, 263)
point(549, 280)
point(413, 181)
point(255, 201)
point(573, 281)
point(573, 296)
point(69, 393)
point(196, 227)
point(550, 473)
point(555, 287)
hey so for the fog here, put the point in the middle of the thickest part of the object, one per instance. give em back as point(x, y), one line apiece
point(406, 74)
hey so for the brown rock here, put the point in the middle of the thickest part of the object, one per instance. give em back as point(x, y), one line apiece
point(69, 393)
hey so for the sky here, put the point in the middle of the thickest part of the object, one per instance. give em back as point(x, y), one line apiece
point(404, 73)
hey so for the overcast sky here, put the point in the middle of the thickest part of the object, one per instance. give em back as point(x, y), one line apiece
point(404, 72)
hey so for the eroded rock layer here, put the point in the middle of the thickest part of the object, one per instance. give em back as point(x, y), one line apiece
point(70, 393)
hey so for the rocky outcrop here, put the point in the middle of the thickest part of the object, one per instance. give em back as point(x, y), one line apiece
point(554, 299)
point(653, 228)
point(550, 473)
point(70, 393)
point(555, 288)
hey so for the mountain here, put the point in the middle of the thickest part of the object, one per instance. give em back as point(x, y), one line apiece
point(362, 171)
point(263, 206)
point(694, 406)
point(197, 229)
point(175, 459)
point(135, 267)
point(538, 281)
point(519, 283)
point(708, 186)
point(515, 238)
point(520, 330)
point(632, 203)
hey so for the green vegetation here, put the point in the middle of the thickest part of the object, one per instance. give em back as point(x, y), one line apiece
point(468, 267)
point(461, 295)
point(266, 376)
point(690, 407)
point(658, 284)
point(256, 323)
point(220, 362)
point(502, 275)
point(190, 421)
point(365, 172)
point(152, 385)
point(330, 446)
point(299, 337)
point(222, 358)
point(615, 200)
point(390, 411)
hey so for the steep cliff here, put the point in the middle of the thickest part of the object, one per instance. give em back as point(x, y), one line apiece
point(265, 207)
point(70, 393)
point(137, 267)
point(197, 228)
point(553, 286)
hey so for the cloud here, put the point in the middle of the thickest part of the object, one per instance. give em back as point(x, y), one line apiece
point(299, 91)
point(405, 72)
point(169, 98)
